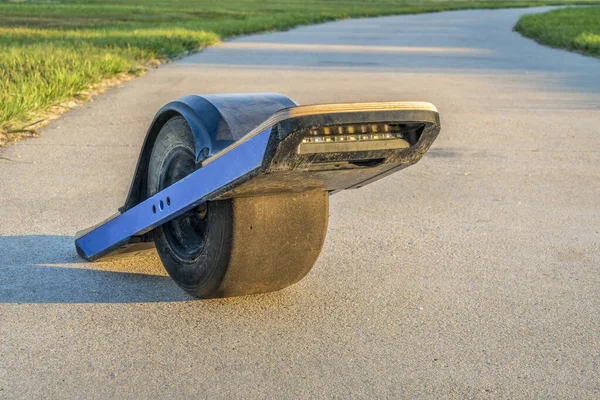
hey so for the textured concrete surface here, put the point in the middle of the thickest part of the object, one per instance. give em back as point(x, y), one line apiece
point(472, 274)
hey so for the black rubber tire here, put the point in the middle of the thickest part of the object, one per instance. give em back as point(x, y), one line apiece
point(195, 251)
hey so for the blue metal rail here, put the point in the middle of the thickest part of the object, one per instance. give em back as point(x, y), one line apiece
point(201, 185)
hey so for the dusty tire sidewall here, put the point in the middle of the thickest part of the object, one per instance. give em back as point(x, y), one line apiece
point(202, 274)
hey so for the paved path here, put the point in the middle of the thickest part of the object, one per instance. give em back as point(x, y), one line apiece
point(472, 274)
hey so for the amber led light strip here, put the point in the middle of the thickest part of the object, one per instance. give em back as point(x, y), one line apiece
point(359, 137)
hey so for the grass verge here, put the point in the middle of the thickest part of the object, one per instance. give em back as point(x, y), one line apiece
point(575, 29)
point(55, 51)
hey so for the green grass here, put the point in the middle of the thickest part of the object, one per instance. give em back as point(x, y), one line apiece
point(569, 28)
point(53, 50)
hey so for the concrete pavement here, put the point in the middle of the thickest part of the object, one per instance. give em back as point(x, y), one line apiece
point(474, 273)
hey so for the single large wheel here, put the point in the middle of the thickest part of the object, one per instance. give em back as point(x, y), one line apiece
point(194, 247)
point(235, 246)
